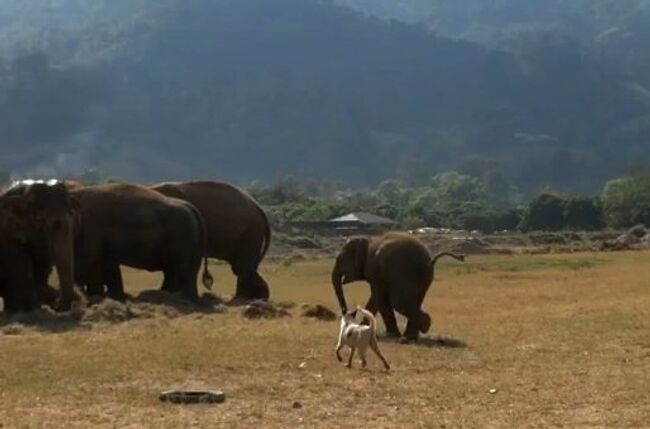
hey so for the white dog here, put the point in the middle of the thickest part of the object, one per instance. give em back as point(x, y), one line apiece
point(357, 336)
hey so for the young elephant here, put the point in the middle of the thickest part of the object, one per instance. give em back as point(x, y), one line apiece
point(135, 226)
point(399, 269)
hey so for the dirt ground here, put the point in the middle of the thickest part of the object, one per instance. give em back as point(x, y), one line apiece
point(518, 341)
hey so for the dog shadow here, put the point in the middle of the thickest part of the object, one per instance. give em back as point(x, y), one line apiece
point(439, 342)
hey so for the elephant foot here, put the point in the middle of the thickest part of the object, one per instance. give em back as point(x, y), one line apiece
point(237, 301)
point(393, 334)
point(63, 305)
point(408, 338)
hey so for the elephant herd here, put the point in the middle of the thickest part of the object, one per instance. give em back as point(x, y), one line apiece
point(87, 232)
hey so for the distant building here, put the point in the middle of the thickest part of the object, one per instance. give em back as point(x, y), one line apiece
point(352, 223)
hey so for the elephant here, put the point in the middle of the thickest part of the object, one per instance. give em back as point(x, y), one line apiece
point(126, 224)
point(238, 230)
point(37, 227)
point(399, 269)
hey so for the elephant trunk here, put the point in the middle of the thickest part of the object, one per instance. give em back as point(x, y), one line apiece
point(337, 282)
point(63, 259)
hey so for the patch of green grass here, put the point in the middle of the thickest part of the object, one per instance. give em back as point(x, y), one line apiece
point(531, 263)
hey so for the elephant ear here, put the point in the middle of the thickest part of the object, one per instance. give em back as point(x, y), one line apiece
point(360, 256)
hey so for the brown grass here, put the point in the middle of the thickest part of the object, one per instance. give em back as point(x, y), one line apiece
point(561, 341)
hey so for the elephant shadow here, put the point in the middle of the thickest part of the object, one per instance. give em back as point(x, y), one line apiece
point(430, 342)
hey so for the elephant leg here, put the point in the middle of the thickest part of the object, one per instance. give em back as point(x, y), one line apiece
point(188, 279)
point(261, 287)
point(114, 284)
point(414, 323)
point(169, 283)
point(89, 266)
point(42, 271)
point(425, 322)
point(371, 306)
point(380, 298)
point(21, 296)
point(250, 285)
point(245, 288)
point(94, 273)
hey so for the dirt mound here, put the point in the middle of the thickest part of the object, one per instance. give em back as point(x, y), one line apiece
point(108, 311)
point(635, 238)
point(318, 312)
point(263, 310)
point(85, 313)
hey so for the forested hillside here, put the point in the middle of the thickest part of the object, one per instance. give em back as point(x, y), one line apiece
point(258, 89)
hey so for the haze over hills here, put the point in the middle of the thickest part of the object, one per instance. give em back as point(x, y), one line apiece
point(258, 89)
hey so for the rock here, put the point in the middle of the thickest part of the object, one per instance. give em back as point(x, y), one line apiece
point(193, 396)
point(638, 231)
point(633, 239)
point(296, 405)
point(319, 312)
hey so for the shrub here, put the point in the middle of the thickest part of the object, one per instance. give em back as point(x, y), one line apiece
point(584, 213)
point(626, 201)
point(544, 213)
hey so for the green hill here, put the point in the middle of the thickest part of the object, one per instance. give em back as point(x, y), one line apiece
point(257, 89)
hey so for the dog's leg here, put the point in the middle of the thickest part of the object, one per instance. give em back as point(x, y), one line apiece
point(362, 355)
point(338, 352)
point(349, 364)
point(375, 348)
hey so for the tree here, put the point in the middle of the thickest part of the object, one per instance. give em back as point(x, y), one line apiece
point(452, 188)
point(624, 200)
point(584, 213)
point(544, 213)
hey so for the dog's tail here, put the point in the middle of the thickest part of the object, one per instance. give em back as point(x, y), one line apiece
point(368, 315)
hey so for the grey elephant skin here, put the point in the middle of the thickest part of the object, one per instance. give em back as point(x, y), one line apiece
point(125, 224)
point(399, 269)
point(238, 229)
point(37, 227)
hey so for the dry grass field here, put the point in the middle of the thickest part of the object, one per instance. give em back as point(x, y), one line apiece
point(532, 341)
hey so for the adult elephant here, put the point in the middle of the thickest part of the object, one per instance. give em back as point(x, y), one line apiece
point(238, 230)
point(125, 224)
point(399, 270)
point(37, 226)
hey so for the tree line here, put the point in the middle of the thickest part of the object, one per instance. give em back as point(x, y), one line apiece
point(460, 201)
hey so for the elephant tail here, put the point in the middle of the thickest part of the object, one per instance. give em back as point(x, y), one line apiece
point(456, 256)
point(206, 277)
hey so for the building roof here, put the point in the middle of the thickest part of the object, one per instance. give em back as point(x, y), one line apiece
point(365, 218)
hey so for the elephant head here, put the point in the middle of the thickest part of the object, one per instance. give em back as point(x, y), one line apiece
point(44, 215)
point(350, 266)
